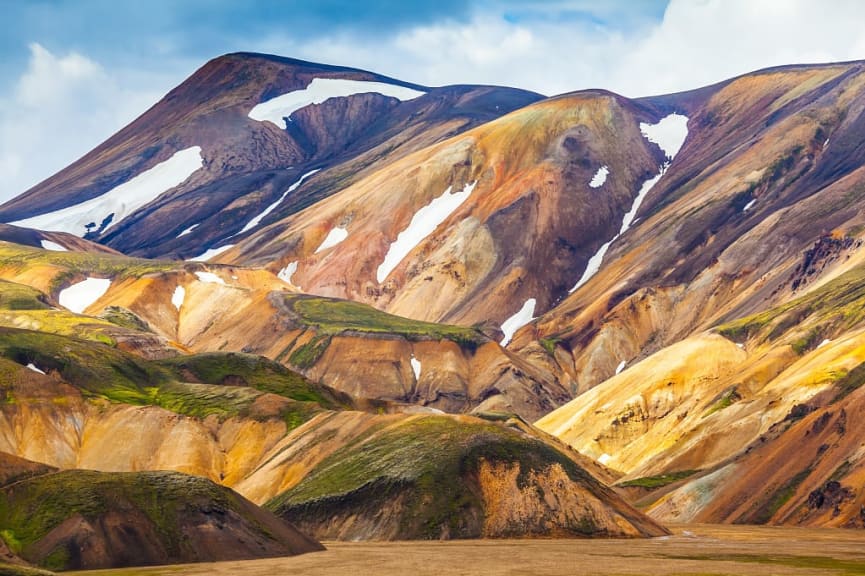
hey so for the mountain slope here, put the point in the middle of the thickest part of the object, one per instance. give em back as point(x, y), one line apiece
point(198, 159)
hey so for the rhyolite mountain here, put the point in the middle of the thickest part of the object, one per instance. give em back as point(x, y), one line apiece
point(670, 285)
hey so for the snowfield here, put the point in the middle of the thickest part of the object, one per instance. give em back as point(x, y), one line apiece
point(122, 200)
point(53, 246)
point(286, 273)
point(334, 237)
point(276, 110)
point(32, 366)
point(178, 297)
point(518, 320)
point(669, 133)
point(422, 224)
point(257, 220)
point(188, 230)
point(211, 253)
point(415, 367)
point(600, 177)
point(209, 278)
point(79, 296)
point(621, 366)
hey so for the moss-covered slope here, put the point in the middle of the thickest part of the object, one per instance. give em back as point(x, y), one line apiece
point(78, 519)
point(431, 477)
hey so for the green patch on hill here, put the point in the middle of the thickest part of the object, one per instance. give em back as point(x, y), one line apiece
point(652, 482)
point(837, 306)
point(227, 384)
point(332, 316)
point(429, 463)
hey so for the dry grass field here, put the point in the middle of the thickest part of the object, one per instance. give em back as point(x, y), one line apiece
point(693, 550)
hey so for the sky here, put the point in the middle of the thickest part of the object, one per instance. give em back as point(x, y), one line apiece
point(73, 72)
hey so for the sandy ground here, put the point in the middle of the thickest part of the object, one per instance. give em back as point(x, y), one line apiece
point(692, 550)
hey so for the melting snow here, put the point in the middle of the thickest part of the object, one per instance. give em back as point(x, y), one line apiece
point(334, 237)
point(178, 297)
point(422, 224)
point(415, 366)
point(33, 367)
point(276, 110)
point(605, 458)
point(210, 278)
point(54, 246)
point(255, 221)
point(188, 230)
point(669, 133)
point(211, 253)
point(518, 320)
point(823, 343)
point(286, 273)
point(122, 200)
point(748, 205)
point(600, 177)
point(621, 366)
point(79, 296)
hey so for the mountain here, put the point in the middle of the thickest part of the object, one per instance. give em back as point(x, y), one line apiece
point(671, 286)
point(80, 519)
point(198, 161)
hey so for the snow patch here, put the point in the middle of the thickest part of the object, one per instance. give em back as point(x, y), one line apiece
point(53, 246)
point(669, 133)
point(211, 253)
point(748, 205)
point(415, 366)
point(605, 458)
point(33, 367)
point(518, 320)
point(823, 343)
point(123, 200)
point(621, 366)
point(79, 296)
point(189, 230)
point(286, 273)
point(210, 278)
point(334, 237)
point(276, 110)
point(178, 297)
point(600, 177)
point(422, 224)
point(257, 220)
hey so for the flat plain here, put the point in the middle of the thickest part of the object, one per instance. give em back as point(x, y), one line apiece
point(692, 550)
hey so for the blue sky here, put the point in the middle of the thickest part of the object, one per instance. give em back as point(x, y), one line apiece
point(72, 72)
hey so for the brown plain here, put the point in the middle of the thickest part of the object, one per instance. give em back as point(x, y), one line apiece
point(692, 550)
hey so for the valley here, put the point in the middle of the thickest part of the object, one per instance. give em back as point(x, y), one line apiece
point(696, 549)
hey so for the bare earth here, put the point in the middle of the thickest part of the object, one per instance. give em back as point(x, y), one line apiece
point(693, 550)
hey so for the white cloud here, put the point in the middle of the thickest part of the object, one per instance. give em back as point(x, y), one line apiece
point(698, 42)
point(60, 108)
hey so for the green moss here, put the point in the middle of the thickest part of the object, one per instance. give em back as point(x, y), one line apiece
point(430, 460)
point(73, 264)
point(652, 482)
point(764, 512)
point(19, 297)
point(838, 305)
point(15, 570)
point(724, 400)
point(332, 316)
point(125, 318)
point(255, 371)
point(306, 355)
point(549, 344)
point(851, 381)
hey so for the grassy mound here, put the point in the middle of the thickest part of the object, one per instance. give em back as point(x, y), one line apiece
point(84, 519)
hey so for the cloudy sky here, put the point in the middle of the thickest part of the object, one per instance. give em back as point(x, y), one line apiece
point(72, 72)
